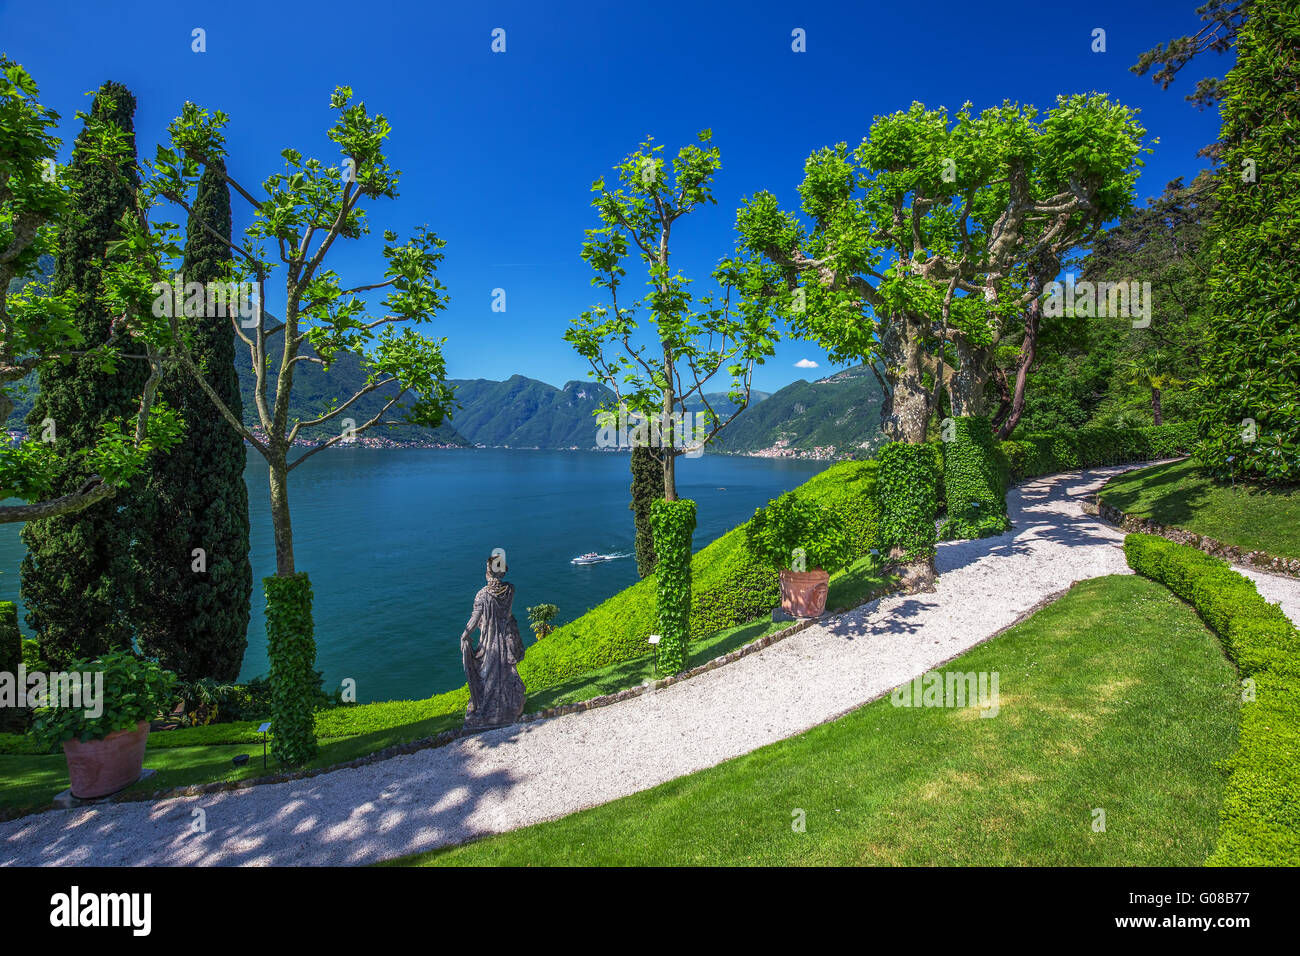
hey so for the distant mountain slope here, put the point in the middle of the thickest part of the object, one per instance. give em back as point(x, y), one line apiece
point(833, 416)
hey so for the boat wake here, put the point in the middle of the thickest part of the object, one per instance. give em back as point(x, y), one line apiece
point(591, 557)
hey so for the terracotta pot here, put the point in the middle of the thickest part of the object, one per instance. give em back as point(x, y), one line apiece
point(97, 768)
point(803, 593)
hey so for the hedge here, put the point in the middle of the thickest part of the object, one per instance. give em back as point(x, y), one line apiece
point(673, 524)
point(291, 648)
point(907, 500)
point(1049, 453)
point(1260, 823)
point(975, 481)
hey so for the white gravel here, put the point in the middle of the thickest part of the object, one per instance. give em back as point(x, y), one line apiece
point(515, 776)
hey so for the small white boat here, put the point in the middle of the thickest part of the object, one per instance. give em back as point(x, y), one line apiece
point(591, 557)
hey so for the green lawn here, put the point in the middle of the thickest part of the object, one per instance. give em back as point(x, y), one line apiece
point(1114, 697)
point(31, 782)
point(1178, 494)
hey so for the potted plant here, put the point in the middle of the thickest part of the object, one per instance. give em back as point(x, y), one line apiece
point(104, 738)
point(805, 542)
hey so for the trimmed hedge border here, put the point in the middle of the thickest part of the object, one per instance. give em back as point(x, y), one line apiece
point(1260, 822)
point(1258, 560)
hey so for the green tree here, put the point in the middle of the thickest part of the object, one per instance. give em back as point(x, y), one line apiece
point(77, 577)
point(647, 487)
point(301, 213)
point(935, 237)
point(1249, 389)
point(192, 546)
point(657, 379)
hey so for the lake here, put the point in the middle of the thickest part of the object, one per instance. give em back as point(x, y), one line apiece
point(395, 541)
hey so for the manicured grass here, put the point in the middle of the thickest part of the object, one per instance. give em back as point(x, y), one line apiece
point(31, 781)
point(1115, 697)
point(1254, 517)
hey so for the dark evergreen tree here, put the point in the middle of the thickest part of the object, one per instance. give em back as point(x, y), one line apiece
point(1249, 389)
point(195, 579)
point(76, 577)
point(647, 486)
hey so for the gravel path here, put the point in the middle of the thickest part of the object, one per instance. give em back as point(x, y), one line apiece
point(515, 776)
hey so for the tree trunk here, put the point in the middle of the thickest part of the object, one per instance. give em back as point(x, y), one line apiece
point(666, 433)
point(279, 478)
point(966, 386)
point(909, 413)
point(1033, 319)
point(1156, 411)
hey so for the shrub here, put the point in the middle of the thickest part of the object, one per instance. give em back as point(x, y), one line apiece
point(1044, 454)
point(974, 484)
point(291, 647)
point(539, 619)
point(673, 523)
point(1260, 823)
point(789, 525)
point(1257, 635)
point(906, 486)
point(134, 689)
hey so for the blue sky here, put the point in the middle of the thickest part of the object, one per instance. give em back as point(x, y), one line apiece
point(499, 151)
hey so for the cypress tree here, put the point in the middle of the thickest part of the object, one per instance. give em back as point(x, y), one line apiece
point(1249, 388)
point(192, 608)
point(647, 487)
point(76, 576)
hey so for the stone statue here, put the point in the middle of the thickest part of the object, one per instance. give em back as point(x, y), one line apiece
point(496, 694)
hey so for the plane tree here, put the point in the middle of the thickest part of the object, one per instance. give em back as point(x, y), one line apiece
point(300, 215)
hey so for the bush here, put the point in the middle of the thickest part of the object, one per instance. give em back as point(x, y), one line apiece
point(1032, 456)
point(134, 689)
point(540, 617)
point(673, 523)
point(789, 525)
point(1260, 824)
point(906, 489)
point(1257, 635)
point(291, 647)
point(974, 481)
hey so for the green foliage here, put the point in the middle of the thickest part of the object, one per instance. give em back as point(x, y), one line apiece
point(1249, 392)
point(673, 523)
point(729, 587)
point(291, 648)
point(907, 500)
point(1261, 813)
point(693, 339)
point(790, 524)
point(11, 658)
point(647, 487)
point(77, 580)
point(194, 620)
point(540, 617)
point(974, 486)
point(134, 689)
point(1035, 455)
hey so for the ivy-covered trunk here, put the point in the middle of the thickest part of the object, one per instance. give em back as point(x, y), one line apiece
point(974, 486)
point(647, 487)
point(291, 647)
point(907, 500)
point(1156, 412)
point(674, 524)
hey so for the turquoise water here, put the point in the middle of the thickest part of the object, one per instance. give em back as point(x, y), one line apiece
point(395, 541)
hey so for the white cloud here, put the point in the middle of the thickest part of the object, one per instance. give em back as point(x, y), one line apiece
point(805, 363)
